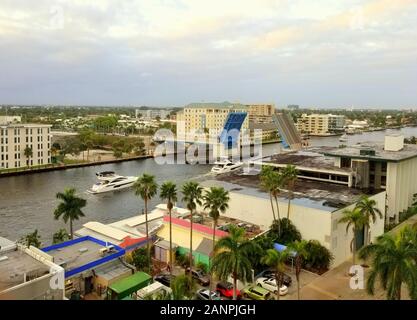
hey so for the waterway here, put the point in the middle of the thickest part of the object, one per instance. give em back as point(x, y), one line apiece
point(27, 202)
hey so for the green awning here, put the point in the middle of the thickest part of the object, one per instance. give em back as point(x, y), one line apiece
point(133, 283)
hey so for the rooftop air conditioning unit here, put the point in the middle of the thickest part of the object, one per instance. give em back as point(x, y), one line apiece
point(106, 249)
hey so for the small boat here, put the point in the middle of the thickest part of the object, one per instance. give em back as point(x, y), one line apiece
point(225, 166)
point(343, 138)
point(110, 181)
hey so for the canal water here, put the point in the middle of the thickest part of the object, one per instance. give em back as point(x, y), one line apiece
point(27, 202)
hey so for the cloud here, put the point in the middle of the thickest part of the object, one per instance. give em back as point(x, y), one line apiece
point(170, 51)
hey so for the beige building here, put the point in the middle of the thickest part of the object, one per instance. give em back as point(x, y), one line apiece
point(261, 113)
point(320, 124)
point(28, 274)
point(389, 166)
point(15, 138)
point(202, 117)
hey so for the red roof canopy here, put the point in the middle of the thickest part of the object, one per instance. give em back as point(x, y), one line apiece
point(196, 227)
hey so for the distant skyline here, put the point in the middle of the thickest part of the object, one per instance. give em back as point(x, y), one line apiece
point(324, 53)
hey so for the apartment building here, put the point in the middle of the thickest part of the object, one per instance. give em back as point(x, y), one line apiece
point(202, 117)
point(320, 124)
point(261, 113)
point(16, 138)
point(152, 113)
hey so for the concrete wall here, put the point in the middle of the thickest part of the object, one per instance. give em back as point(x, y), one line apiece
point(312, 223)
point(340, 240)
point(401, 176)
point(38, 289)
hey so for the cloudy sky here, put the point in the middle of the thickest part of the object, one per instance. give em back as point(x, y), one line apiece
point(323, 53)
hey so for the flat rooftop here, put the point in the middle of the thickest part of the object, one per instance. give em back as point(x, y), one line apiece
point(216, 105)
point(311, 157)
point(409, 151)
point(81, 254)
point(16, 266)
point(312, 194)
point(25, 125)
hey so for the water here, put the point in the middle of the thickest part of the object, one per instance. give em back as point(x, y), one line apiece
point(27, 202)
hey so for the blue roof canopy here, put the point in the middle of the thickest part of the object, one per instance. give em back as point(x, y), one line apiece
point(280, 247)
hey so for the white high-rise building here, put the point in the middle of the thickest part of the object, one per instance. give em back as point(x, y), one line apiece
point(16, 138)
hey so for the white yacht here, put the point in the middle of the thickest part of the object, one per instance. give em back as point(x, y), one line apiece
point(225, 165)
point(110, 181)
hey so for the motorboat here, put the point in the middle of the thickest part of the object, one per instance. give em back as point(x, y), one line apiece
point(225, 166)
point(110, 181)
point(343, 138)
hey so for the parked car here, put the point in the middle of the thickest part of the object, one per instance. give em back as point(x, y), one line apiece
point(200, 276)
point(256, 293)
point(287, 280)
point(270, 284)
point(204, 294)
point(224, 227)
point(226, 290)
point(165, 279)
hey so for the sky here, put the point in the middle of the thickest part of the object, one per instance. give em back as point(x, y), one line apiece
point(322, 53)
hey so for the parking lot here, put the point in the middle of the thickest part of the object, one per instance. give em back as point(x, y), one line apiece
point(306, 278)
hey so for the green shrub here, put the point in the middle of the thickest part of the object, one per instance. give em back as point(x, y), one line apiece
point(284, 232)
point(60, 236)
point(140, 259)
point(264, 243)
point(319, 257)
point(182, 259)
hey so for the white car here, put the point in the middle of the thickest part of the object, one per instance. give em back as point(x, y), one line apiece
point(271, 285)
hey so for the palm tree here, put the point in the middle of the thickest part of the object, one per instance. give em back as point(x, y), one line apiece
point(169, 193)
point(393, 263)
point(232, 257)
point(182, 287)
point(32, 239)
point(60, 236)
point(272, 181)
point(69, 207)
point(216, 201)
point(28, 152)
point(299, 248)
point(276, 259)
point(369, 209)
point(146, 188)
point(357, 221)
point(89, 144)
point(290, 174)
point(192, 196)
